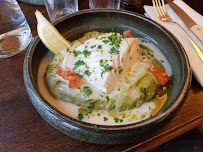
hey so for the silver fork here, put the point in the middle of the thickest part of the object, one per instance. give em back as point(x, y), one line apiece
point(161, 12)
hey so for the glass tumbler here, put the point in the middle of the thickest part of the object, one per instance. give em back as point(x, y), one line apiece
point(104, 4)
point(15, 33)
point(59, 8)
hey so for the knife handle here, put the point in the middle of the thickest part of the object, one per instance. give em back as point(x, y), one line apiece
point(198, 31)
point(196, 47)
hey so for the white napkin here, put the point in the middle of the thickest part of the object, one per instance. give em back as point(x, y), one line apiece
point(195, 61)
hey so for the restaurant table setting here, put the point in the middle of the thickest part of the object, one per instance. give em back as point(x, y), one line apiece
point(22, 127)
point(195, 61)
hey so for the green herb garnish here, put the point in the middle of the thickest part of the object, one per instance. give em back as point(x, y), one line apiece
point(105, 118)
point(121, 70)
point(78, 75)
point(105, 66)
point(87, 91)
point(143, 90)
point(86, 53)
point(142, 53)
point(80, 116)
point(105, 41)
point(99, 46)
point(114, 51)
point(108, 98)
point(96, 127)
point(79, 63)
point(93, 46)
point(87, 72)
point(76, 53)
point(116, 119)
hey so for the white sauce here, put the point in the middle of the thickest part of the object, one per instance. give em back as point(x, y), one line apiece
point(98, 116)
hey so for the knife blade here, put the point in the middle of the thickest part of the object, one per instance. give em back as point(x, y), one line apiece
point(196, 29)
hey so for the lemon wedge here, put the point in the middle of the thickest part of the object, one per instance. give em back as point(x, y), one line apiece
point(49, 35)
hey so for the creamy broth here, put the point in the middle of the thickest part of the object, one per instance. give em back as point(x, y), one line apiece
point(102, 117)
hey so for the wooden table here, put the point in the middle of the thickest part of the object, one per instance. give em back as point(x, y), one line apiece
point(23, 129)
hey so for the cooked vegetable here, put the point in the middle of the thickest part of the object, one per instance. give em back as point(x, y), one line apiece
point(127, 33)
point(160, 75)
point(139, 84)
point(74, 81)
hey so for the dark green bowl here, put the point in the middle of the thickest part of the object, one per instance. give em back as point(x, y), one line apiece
point(74, 26)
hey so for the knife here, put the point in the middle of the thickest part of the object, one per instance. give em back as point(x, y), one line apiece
point(196, 29)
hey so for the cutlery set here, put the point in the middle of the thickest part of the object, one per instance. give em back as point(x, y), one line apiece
point(161, 12)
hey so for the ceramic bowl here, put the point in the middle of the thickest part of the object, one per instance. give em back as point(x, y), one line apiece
point(74, 26)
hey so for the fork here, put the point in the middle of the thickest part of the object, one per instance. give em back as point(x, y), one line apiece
point(161, 12)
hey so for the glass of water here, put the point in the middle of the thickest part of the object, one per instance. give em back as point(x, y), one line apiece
point(15, 33)
point(59, 8)
point(104, 4)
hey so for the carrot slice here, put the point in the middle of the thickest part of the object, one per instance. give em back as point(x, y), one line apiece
point(127, 33)
point(160, 75)
point(74, 81)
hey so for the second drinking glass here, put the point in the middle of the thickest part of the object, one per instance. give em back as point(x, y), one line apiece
point(59, 8)
point(104, 4)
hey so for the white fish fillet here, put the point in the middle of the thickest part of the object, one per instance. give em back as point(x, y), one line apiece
point(100, 78)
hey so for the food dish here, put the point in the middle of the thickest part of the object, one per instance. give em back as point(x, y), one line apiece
point(140, 27)
point(116, 83)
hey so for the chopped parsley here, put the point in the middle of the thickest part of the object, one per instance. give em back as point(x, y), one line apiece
point(142, 53)
point(87, 72)
point(80, 116)
point(68, 50)
point(108, 98)
point(93, 46)
point(113, 107)
point(106, 67)
point(76, 53)
point(98, 114)
point(105, 41)
point(105, 118)
point(121, 70)
point(114, 51)
point(146, 48)
point(99, 47)
point(116, 120)
point(90, 107)
point(79, 63)
point(145, 41)
point(87, 91)
point(143, 90)
point(78, 75)
point(96, 127)
point(121, 120)
point(86, 53)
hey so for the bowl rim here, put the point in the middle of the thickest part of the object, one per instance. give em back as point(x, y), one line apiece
point(76, 122)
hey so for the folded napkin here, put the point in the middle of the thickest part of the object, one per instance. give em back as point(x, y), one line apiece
point(195, 61)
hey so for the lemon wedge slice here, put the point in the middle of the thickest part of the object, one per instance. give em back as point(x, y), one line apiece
point(49, 35)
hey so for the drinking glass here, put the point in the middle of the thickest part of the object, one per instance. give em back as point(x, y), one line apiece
point(104, 4)
point(15, 33)
point(59, 8)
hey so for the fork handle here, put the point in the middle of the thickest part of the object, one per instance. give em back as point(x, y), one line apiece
point(196, 47)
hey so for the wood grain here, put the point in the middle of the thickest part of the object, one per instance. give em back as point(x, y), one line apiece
point(23, 129)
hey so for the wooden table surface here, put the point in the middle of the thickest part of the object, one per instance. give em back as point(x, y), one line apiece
point(23, 129)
